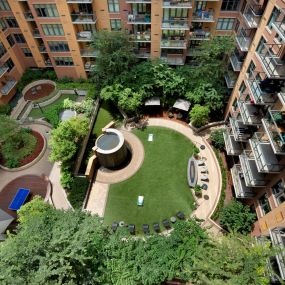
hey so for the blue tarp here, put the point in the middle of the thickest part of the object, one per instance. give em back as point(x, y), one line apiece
point(19, 199)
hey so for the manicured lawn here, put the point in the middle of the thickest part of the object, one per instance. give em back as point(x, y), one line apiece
point(162, 180)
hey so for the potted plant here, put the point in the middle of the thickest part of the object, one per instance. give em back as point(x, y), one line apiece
point(198, 190)
point(196, 152)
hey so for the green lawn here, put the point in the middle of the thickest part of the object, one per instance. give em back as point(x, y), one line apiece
point(162, 180)
point(36, 113)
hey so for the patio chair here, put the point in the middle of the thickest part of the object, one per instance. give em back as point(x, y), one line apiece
point(204, 169)
point(114, 226)
point(132, 229)
point(204, 177)
point(166, 224)
point(156, 227)
point(39, 87)
point(180, 215)
point(145, 228)
point(200, 162)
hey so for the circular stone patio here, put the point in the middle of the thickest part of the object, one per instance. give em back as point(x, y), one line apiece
point(39, 91)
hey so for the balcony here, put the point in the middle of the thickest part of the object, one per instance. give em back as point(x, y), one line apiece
point(142, 53)
point(89, 66)
point(279, 23)
point(252, 177)
point(3, 70)
point(277, 236)
point(270, 59)
point(84, 36)
point(262, 91)
point(199, 35)
point(230, 78)
point(83, 18)
point(175, 44)
point(281, 96)
point(232, 146)
point(236, 61)
point(36, 33)
point(240, 131)
point(186, 4)
point(252, 15)
point(140, 19)
point(173, 59)
point(79, 1)
point(251, 114)
point(88, 53)
point(175, 24)
point(42, 49)
point(48, 62)
point(244, 39)
point(203, 16)
point(266, 160)
point(141, 37)
point(274, 125)
point(138, 1)
point(29, 16)
point(241, 190)
point(8, 86)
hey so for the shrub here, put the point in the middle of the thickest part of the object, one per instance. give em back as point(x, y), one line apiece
point(52, 114)
point(12, 162)
point(77, 192)
point(199, 115)
point(217, 138)
point(5, 109)
point(237, 217)
point(198, 190)
point(66, 179)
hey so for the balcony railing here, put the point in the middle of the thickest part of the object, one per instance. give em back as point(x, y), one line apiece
point(80, 1)
point(240, 131)
point(173, 59)
point(232, 146)
point(281, 96)
point(88, 53)
point(140, 37)
point(278, 23)
point(199, 35)
point(251, 174)
point(140, 19)
point(270, 58)
point(138, 1)
point(142, 53)
point(88, 66)
point(179, 44)
point(259, 95)
point(236, 61)
point(3, 70)
point(277, 236)
point(177, 4)
point(265, 158)
point(244, 38)
point(42, 49)
point(241, 190)
point(8, 86)
point(251, 114)
point(36, 33)
point(203, 16)
point(230, 78)
point(176, 24)
point(84, 36)
point(83, 18)
point(252, 15)
point(274, 125)
point(29, 16)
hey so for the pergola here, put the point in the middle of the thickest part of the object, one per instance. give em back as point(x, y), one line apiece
point(182, 104)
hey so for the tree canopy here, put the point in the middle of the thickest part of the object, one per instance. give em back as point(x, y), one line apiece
point(199, 115)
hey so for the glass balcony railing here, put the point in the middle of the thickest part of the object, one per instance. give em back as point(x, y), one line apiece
point(244, 38)
point(8, 86)
point(279, 23)
point(84, 36)
point(140, 19)
point(179, 44)
point(173, 59)
point(177, 4)
point(203, 16)
point(251, 114)
point(3, 70)
point(265, 158)
point(252, 15)
point(240, 131)
point(270, 58)
point(232, 146)
point(274, 125)
point(199, 35)
point(89, 65)
point(240, 188)
point(83, 18)
point(88, 53)
point(236, 61)
point(142, 53)
point(175, 24)
point(141, 37)
point(230, 78)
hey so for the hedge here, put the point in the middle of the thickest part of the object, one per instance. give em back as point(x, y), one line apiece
point(78, 191)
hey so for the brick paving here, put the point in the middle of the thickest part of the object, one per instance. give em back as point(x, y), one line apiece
point(46, 89)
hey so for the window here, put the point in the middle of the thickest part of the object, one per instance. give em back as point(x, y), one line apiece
point(225, 23)
point(230, 5)
point(115, 24)
point(46, 10)
point(264, 204)
point(2, 50)
point(200, 5)
point(10, 40)
point(4, 6)
point(260, 45)
point(113, 6)
point(11, 22)
point(274, 15)
point(63, 61)
point(242, 87)
point(56, 46)
point(3, 25)
point(27, 52)
point(10, 64)
point(19, 38)
point(174, 13)
point(278, 191)
point(53, 30)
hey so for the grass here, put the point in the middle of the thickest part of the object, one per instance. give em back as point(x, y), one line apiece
point(162, 180)
point(36, 113)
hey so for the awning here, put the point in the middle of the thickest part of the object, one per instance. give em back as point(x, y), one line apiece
point(5, 221)
point(153, 101)
point(182, 104)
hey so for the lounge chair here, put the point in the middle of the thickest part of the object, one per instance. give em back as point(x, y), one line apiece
point(204, 177)
point(132, 229)
point(200, 162)
point(166, 224)
point(140, 200)
point(145, 228)
point(114, 226)
point(156, 227)
point(180, 215)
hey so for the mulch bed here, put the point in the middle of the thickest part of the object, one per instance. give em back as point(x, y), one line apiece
point(45, 91)
point(37, 151)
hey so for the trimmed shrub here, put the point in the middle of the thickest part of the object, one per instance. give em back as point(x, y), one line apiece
point(217, 138)
point(5, 109)
point(77, 192)
point(66, 179)
point(199, 115)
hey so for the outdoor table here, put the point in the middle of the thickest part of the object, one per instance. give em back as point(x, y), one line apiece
point(19, 199)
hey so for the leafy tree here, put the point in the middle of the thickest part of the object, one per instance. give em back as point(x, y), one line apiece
point(115, 55)
point(129, 101)
point(66, 137)
point(199, 115)
point(217, 138)
point(237, 217)
point(9, 129)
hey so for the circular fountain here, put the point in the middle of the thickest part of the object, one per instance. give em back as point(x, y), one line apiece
point(111, 149)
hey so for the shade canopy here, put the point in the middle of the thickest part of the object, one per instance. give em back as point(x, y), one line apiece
point(153, 101)
point(182, 104)
point(5, 221)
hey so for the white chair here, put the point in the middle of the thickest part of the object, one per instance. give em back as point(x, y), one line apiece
point(204, 177)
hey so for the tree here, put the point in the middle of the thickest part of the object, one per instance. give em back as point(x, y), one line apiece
point(115, 55)
point(217, 138)
point(199, 115)
point(9, 129)
point(66, 137)
point(237, 217)
point(129, 100)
